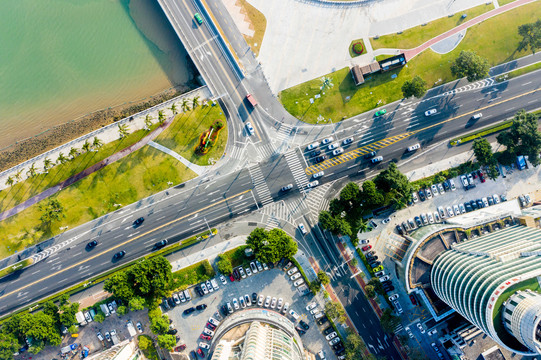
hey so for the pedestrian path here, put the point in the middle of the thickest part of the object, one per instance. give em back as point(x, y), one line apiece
point(198, 169)
point(297, 169)
point(260, 186)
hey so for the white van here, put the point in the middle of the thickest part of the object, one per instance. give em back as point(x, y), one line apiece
point(214, 284)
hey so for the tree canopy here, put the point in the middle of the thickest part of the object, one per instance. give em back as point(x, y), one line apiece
point(483, 151)
point(167, 341)
point(470, 65)
point(395, 184)
point(354, 347)
point(323, 278)
point(523, 138)
point(415, 87)
point(51, 212)
point(335, 310)
point(224, 265)
point(271, 246)
point(389, 321)
point(531, 36)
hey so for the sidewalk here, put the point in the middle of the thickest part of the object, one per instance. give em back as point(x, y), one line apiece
point(411, 53)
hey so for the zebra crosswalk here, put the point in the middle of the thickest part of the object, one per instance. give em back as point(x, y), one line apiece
point(316, 200)
point(283, 132)
point(297, 169)
point(265, 151)
point(236, 152)
point(260, 186)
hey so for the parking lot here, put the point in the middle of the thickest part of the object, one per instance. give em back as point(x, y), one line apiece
point(273, 282)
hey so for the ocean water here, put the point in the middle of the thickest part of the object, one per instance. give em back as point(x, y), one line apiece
point(63, 59)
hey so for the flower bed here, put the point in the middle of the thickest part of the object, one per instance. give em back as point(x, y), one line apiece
point(209, 137)
point(358, 48)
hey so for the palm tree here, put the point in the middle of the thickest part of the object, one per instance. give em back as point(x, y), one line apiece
point(148, 122)
point(161, 117)
point(363, 225)
point(326, 82)
point(61, 158)
point(47, 163)
point(195, 102)
point(123, 130)
point(97, 143)
point(10, 181)
point(18, 174)
point(73, 153)
point(86, 146)
point(32, 170)
point(173, 108)
point(185, 105)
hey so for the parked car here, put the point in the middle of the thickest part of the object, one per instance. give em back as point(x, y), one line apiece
point(434, 190)
point(366, 248)
point(347, 141)
point(377, 159)
point(393, 297)
point(318, 175)
point(312, 146)
point(327, 140)
point(302, 229)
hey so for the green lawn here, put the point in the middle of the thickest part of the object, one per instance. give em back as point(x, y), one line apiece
point(351, 53)
point(134, 177)
point(503, 2)
point(237, 256)
point(418, 35)
point(183, 135)
point(23, 190)
point(193, 274)
point(344, 99)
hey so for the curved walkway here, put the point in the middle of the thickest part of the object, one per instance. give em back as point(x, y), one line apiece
point(411, 53)
point(99, 165)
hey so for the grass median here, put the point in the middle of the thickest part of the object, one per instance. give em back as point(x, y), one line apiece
point(344, 99)
point(521, 71)
point(482, 132)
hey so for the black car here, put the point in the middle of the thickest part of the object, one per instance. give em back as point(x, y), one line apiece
point(375, 264)
point(254, 298)
point(160, 244)
point(300, 331)
point(138, 222)
point(193, 355)
point(315, 153)
point(304, 325)
point(171, 302)
point(201, 307)
point(473, 204)
point(172, 331)
point(338, 346)
point(399, 229)
point(411, 224)
point(119, 255)
point(446, 186)
point(340, 352)
point(223, 310)
point(422, 195)
point(387, 282)
point(188, 311)
point(328, 330)
point(92, 244)
point(165, 304)
point(320, 158)
point(370, 155)
point(418, 221)
point(480, 204)
point(468, 207)
point(322, 320)
point(199, 290)
point(388, 288)
point(236, 274)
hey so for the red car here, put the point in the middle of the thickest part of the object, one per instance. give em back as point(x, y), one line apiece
point(180, 348)
point(200, 353)
point(366, 248)
point(231, 277)
point(481, 176)
point(211, 326)
point(205, 337)
point(412, 299)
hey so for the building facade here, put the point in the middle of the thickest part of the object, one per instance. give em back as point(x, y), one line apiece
point(483, 278)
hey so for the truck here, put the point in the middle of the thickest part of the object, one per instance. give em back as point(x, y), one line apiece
point(80, 318)
point(251, 100)
point(131, 329)
point(114, 338)
point(105, 310)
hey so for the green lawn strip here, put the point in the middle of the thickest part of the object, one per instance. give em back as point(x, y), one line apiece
point(296, 263)
point(345, 100)
point(503, 2)
point(481, 132)
point(183, 135)
point(194, 274)
point(418, 35)
point(236, 256)
point(520, 71)
point(383, 57)
point(16, 267)
point(23, 190)
point(138, 175)
point(352, 53)
point(443, 175)
point(365, 262)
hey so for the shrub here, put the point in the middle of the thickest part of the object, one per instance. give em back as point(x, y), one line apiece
point(358, 48)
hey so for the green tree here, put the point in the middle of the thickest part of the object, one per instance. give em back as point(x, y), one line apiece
point(327, 220)
point(122, 310)
point(73, 153)
point(315, 286)
point(335, 310)
point(523, 138)
point(8, 346)
point(224, 265)
point(51, 309)
point(271, 246)
point(370, 291)
point(119, 285)
point(61, 159)
point(394, 183)
point(123, 130)
point(167, 341)
point(64, 299)
point(97, 143)
point(159, 325)
point(148, 122)
point(354, 347)
point(337, 206)
point(31, 171)
point(185, 106)
point(136, 303)
point(323, 278)
point(415, 87)
point(483, 151)
point(492, 171)
point(174, 109)
point(350, 193)
point(531, 36)
point(41, 328)
point(161, 117)
point(86, 146)
point(354, 262)
point(10, 181)
point(100, 317)
point(67, 314)
point(47, 163)
point(145, 342)
point(388, 321)
point(195, 102)
point(376, 284)
point(73, 329)
point(51, 212)
point(371, 196)
point(470, 65)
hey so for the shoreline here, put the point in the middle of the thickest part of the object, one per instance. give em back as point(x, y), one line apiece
point(28, 148)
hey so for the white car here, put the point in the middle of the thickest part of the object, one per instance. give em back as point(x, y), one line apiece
point(286, 308)
point(204, 345)
point(452, 185)
point(209, 286)
point(321, 355)
point(415, 197)
point(394, 297)
point(377, 159)
point(485, 201)
point(456, 210)
point(331, 336)
point(208, 332)
point(334, 341)
point(313, 184)
point(248, 271)
point(267, 301)
point(441, 211)
point(294, 315)
point(338, 151)
point(462, 208)
point(213, 321)
point(477, 116)
point(414, 147)
point(315, 311)
point(450, 212)
point(441, 189)
point(222, 279)
point(273, 303)
point(260, 300)
point(139, 327)
point(242, 302)
point(333, 146)
point(327, 140)
point(428, 194)
point(470, 178)
point(295, 276)
point(204, 288)
point(280, 304)
point(265, 266)
point(435, 190)
point(247, 300)
point(420, 327)
point(302, 229)
point(259, 266)
point(430, 112)
point(253, 266)
point(347, 141)
point(236, 304)
point(437, 217)
point(410, 334)
point(242, 273)
point(384, 278)
point(318, 175)
point(292, 271)
point(250, 128)
point(311, 306)
point(496, 198)
point(430, 218)
point(312, 146)
point(464, 181)
point(298, 282)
